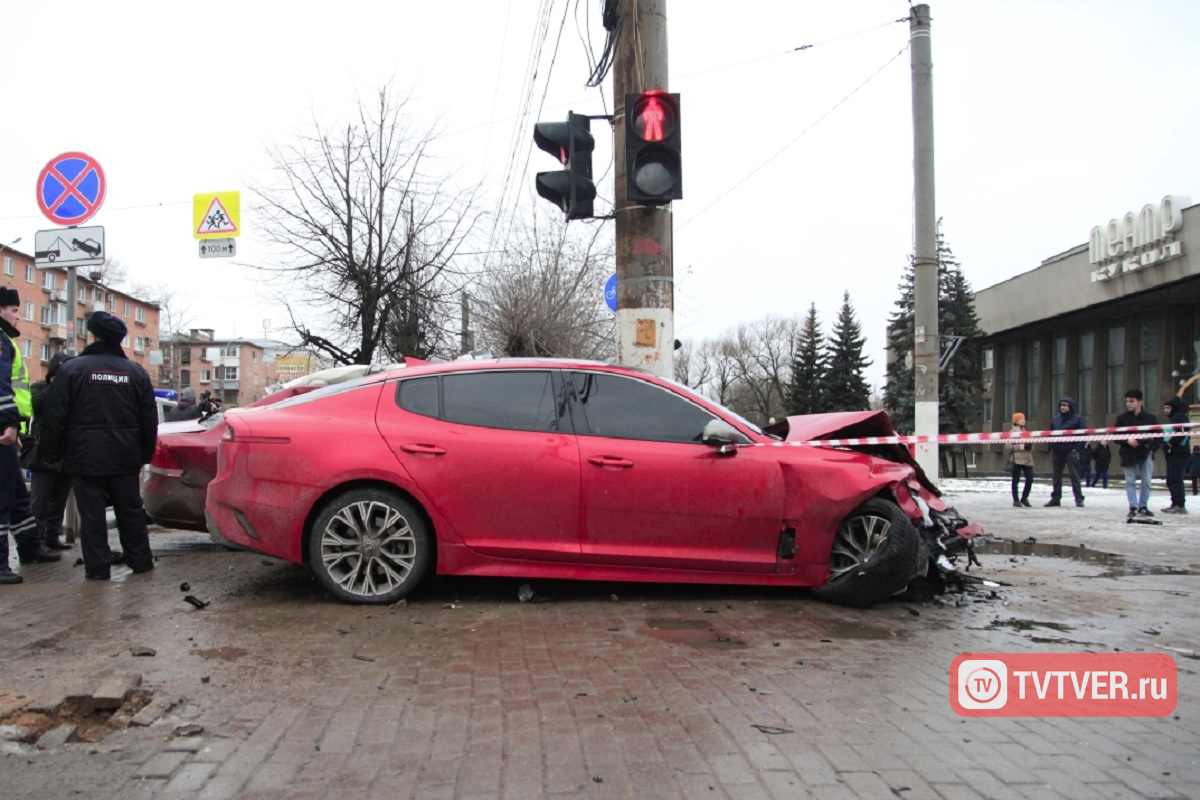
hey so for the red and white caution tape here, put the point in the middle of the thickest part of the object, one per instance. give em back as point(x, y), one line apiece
point(1073, 435)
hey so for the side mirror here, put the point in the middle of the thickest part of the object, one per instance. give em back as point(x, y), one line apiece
point(723, 436)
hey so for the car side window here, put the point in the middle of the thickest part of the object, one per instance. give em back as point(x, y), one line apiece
point(419, 395)
point(513, 400)
point(627, 408)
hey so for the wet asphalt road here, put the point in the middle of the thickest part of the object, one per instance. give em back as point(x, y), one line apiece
point(605, 690)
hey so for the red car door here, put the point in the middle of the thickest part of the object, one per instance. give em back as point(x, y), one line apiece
point(487, 451)
point(654, 496)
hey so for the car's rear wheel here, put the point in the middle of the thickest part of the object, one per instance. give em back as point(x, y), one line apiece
point(875, 554)
point(370, 546)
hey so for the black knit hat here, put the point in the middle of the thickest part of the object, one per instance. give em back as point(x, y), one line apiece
point(105, 327)
point(9, 297)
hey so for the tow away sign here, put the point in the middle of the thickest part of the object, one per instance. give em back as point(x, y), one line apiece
point(218, 248)
point(69, 247)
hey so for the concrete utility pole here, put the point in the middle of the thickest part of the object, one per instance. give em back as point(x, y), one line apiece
point(467, 345)
point(925, 263)
point(645, 266)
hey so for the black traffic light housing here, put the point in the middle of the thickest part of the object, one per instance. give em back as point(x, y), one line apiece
point(571, 143)
point(653, 167)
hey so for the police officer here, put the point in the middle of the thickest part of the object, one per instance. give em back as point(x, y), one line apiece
point(16, 405)
point(48, 489)
point(101, 424)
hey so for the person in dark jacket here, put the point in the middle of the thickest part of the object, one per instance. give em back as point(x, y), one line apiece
point(101, 425)
point(1137, 454)
point(1066, 454)
point(187, 408)
point(1176, 449)
point(1192, 470)
point(1101, 457)
point(48, 489)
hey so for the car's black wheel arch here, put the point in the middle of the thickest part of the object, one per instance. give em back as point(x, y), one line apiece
point(330, 495)
point(899, 559)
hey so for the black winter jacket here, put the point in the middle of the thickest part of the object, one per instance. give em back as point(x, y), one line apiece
point(1132, 456)
point(100, 417)
point(1067, 422)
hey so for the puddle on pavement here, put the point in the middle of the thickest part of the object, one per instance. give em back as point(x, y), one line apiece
point(696, 633)
point(1117, 566)
point(1028, 625)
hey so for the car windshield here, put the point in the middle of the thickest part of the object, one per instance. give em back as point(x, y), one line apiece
point(690, 392)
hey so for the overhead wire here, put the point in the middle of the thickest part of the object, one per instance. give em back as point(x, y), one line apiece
point(799, 136)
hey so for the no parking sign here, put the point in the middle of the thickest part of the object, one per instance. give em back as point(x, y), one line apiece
point(70, 188)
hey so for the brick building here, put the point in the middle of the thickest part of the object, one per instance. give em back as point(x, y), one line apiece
point(236, 371)
point(46, 319)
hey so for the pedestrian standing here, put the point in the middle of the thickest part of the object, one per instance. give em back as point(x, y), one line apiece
point(187, 408)
point(1065, 455)
point(101, 425)
point(1085, 464)
point(16, 406)
point(1137, 454)
point(1176, 449)
point(49, 489)
point(1102, 458)
point(1022, 458)
point(1192, 470)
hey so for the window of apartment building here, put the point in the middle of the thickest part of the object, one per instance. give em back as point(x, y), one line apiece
point(1010, 381)
point(26, 347)
point(9, 269)
point(45, 351)
point(1150, 350)
point(46, 315)
point(205, 375)
point(1033, 378)
point(126, 311)
point(29, 310)
point(1116, 369)
point(112, 304)
point(1087, 367)
point(48, 280)
point(988, 358)
point(97, 296)
point(185, 355)
point(185, 377)
point(231, 351)
point(230, 373)
point(30, 272)
point(1058, 367)
point(139, 344)
point(139, 314)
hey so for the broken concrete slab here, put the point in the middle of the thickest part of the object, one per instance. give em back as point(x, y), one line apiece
point(56, 737)
point(14, 733)
point(114, 688)
point(155, 709)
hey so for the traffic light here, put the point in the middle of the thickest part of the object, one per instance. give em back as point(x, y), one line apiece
point(653, 171)
point(571, 143)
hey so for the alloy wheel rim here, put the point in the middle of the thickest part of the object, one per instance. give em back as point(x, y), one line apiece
point(368, 548)
point(857, 540)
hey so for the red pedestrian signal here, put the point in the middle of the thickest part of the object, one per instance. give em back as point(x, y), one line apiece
point(653, 168)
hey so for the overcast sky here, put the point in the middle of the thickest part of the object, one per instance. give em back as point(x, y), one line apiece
point(1051, 116)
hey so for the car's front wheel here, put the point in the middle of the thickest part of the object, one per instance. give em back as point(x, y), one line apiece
point(370, 546)
point(875, 554)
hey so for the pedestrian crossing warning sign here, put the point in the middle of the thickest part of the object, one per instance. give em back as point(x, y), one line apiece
point(216, 215)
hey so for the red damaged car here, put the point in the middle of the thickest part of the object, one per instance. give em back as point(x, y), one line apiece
point(566, 469)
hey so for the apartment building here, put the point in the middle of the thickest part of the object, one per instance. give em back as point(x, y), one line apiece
point(47, 323)
point(236, 371)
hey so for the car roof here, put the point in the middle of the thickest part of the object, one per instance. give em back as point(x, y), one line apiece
point(486, 364)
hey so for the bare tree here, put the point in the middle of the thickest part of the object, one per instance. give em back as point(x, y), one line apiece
point(371, 238)
point(545, 297)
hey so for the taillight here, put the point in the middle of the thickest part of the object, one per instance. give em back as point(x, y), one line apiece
point(231, 436)
point(163, 458)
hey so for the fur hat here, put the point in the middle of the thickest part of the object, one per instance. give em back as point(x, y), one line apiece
point(1018, 418)
point(9, 297)
point(56, 361)
point(106, 327)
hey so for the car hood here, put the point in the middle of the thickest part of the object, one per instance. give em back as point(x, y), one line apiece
point(851, 425)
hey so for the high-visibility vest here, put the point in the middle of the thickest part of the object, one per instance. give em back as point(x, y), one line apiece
point(20, 385)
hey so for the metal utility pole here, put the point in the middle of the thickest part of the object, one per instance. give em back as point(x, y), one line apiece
point(925, 263)
point(645, 271)
point(467, 345)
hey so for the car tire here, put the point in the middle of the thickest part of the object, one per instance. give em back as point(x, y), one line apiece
point(874, 555)
point(370, 546)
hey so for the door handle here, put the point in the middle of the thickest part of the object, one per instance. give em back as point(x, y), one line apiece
point(423, 449)
point(610, 461)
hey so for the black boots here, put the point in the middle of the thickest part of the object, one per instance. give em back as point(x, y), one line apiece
point(42, 555)
point(55, 542)
point(7, 576)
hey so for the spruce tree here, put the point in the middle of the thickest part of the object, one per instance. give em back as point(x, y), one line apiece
point(806, 392)
point(846, 389)
point(899, 393)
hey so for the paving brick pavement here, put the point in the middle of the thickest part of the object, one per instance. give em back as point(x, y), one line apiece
point(466, 693)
